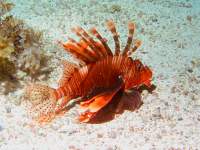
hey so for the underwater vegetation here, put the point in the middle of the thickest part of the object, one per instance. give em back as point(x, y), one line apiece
point(21, 50)
point(5, 7)
point(104, 83)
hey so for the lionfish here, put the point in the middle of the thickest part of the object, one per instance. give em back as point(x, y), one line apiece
point(105, 82)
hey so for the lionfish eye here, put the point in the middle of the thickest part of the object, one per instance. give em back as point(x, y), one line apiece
point(120, 76)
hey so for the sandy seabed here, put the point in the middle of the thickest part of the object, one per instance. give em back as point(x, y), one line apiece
point(170, 116)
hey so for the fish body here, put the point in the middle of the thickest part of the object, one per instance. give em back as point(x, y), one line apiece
point(101, 77)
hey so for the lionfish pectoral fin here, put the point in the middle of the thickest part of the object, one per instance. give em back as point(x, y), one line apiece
point(93, 105)
point(86, 103)
point(100, 101)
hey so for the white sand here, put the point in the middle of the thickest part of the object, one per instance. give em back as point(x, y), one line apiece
point(168, 119)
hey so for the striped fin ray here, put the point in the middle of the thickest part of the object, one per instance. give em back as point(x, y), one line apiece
point(136, 45)
point(111, 27)
point(131, 28)
point(136, 74)
point(96, 77)
point(89, 40)
point(102, 40)
point(82, 49)
point(74, 84)
point(70, 47)
point(69, 69)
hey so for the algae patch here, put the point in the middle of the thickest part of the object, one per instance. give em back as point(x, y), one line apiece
point(22, 55)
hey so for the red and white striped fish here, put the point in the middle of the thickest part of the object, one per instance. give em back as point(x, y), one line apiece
point(103, 80)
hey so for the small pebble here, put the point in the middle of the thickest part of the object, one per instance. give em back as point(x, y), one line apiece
point(41, 133)
point(112, 135)
point(1, 128)
point(115, 8)
point(55, 126)
point(198, 118)
point(8, 109)
point(166, 104)
point(180, 119)
point(72, 132)
point(1, 125)
point(189, 18)
point(190, 70)
point(154, 20)
point(72, 147)
point(157, 113)
point(99, 135)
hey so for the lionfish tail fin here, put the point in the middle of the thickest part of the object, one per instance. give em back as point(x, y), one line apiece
point(42, 102)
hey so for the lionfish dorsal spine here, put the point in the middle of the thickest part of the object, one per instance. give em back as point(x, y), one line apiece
point(102, 40)
point(82, 50)
point(131, 28)
point(88, 40)
point(135, 47)
point(111, 27)
point(70, 47)
point(88, 50)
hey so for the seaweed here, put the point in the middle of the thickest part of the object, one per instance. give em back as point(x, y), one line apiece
point(6, 48)
point(5, 7)
point(22, 55)
point(115, 8)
